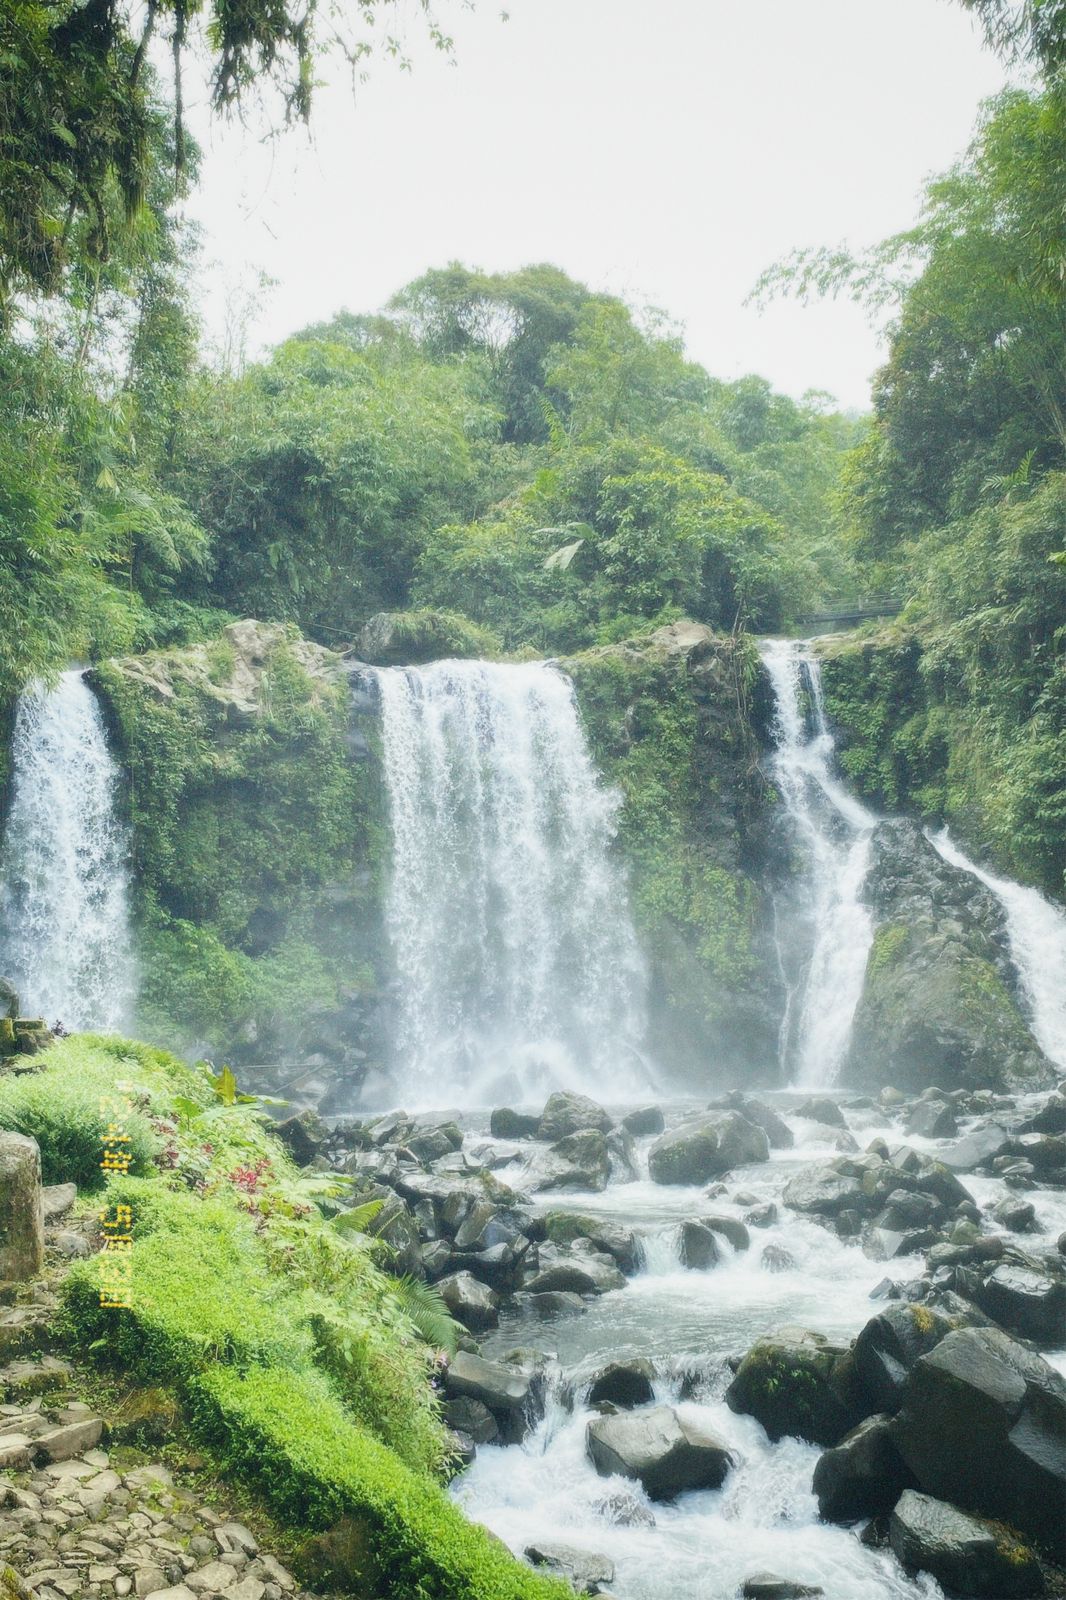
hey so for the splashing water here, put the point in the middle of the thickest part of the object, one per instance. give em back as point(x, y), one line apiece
point(517, 962)
point(823, 956)
point(64, 918)
point(1036, 930)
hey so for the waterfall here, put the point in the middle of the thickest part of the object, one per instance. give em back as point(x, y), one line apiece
point(518, 967)
point(1036, 931)
point(64, 922)
point(824, 942)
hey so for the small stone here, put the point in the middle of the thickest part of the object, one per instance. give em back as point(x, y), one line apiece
point(60, 1444)
point(215, 1575)
point(147, 1580)
point(123, 1585)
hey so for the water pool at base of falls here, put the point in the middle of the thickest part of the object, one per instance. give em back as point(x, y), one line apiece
point(689, 1324)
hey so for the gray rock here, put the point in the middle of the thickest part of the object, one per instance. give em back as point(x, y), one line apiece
point(824, 1190)
point(56, 1200)
point(471, 1417)
point(658, 1449)
point(507, 1124)
point(579, 1161)
point(644, 1121)
point(888, 1347)
point(470, 1302)
point(936, 1006)
point(822, 1110)
point(966, 1555)
point(768, 1586)
point(586, 1571)
point(775, 1258)
point(1025, 1301)
point(21, 1220)
point(796, 1382)
point(511, 1393)
point(1018, 1216)
point(553, 1303)
point(625, 1384)
point(564, 1227)
point(976, 1148)
point(862, 1476)
point(983, 1425)
point(705, 1147)
point(698, 1246)
point(932, 1119)
point(574, 1274)
point(567, 1113)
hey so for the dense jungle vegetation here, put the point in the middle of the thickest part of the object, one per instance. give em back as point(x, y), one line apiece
point(520, 450)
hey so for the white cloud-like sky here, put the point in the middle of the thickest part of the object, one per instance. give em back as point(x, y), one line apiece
point(664, 150)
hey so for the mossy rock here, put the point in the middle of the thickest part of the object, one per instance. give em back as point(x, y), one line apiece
point(410, 638)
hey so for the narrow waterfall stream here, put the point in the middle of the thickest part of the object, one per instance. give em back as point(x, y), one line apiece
point(518, 967)
point(824, 933)
point(1036, 930)
point(64, 919)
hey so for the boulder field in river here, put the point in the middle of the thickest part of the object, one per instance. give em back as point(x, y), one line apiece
point(937, 1005)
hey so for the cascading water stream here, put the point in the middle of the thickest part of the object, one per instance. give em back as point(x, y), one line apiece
point(824, 943)
point(64, 919)
point(518, 967)
point(1036, 930)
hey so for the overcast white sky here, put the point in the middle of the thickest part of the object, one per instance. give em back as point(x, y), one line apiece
point(665, 150)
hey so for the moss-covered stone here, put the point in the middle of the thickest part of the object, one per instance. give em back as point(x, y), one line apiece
point(673, 720)
point(407, 638)
point(257, 840)
point(937, 1006)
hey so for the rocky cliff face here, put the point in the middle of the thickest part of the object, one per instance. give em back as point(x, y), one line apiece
point(938, 1005)
point(260, 845)
point(675, 719)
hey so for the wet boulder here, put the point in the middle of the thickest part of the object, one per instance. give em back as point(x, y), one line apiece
point(705, 1147)
point(304, 1136)
point(797, 1383)
point(775, 1258)
point(888, 1347)
point(824, 1111)
point(978, 1148)
point(1025, 1301)
point(1017, 1216)
point(514, 1394)
point(763, 1116)
point(730, 1228)
point(965, 1554)
point(936, 1006)
point(768, 1586)
point(624, 1384)
point(932, 1119)
point(862, 1476)
point(585, 1571)
point(564, 1227)
point(698, 1246)
point(983, 1425)
point(645, 1121)
point(825, 1189)
point(1051, 1118)
point(470, 1301)
point(573, 1273)
point(432, 1140)
point(21, 1216)
point(507, 1124)
point(566, 1112)
point(578, 1161)
point(553, 1303)
point(664, 1452)
point(471, 1417)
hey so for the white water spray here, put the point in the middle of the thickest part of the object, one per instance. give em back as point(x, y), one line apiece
point(64, 919)
point(832, 829)
point(1036, 930)
point(518, 967)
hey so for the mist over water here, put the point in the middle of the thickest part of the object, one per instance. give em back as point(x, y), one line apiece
point(824, 931)
point(64, 919)
point(518, 968)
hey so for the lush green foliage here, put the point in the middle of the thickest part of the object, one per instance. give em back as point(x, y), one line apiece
point(956, 499)
point(244, 804)
point(291, 1349)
